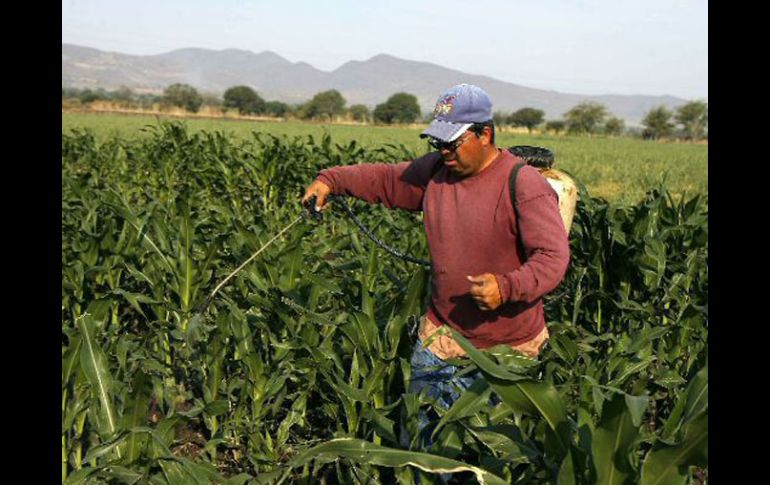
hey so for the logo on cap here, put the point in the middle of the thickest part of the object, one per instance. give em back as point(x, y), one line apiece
point(445, 105)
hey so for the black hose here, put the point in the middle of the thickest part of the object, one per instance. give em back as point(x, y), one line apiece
point(377, 241)
point(338, 200)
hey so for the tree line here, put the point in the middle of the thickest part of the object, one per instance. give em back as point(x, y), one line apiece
point(688, 121)
point(326, 105)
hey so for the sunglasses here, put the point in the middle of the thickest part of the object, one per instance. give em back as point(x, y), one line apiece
point(448, 145)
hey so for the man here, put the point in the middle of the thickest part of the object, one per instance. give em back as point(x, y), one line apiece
point(489, 270)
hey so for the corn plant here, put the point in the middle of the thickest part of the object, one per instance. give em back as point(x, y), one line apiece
point(299, 371)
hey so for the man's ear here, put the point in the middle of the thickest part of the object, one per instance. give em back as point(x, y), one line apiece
point(486, 136)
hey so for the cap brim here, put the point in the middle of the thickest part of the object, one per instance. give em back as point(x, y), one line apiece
point(445, 131)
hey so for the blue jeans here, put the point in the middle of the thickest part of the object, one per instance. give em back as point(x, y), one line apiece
point(439, 378)
point(440, 381)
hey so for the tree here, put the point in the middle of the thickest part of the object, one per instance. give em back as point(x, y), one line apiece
point(146, 100)
point(122, 94)
point(529, 117)
point(399, 108)
point(694, 118)
point(213, 101)
point(584, 117)
point(184, 96)
point(325, 104)
point(360, 112)
point(277, 108)
point(614, 126)
point(500, 118)
point(244, 99)
point(555, 125)
point(657, 123)
point(70, 92)
point(88, 96)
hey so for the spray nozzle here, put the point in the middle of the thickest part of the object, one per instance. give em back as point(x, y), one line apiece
point(312, 208)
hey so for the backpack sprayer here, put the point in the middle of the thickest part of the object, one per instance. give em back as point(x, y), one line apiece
point(538, 157)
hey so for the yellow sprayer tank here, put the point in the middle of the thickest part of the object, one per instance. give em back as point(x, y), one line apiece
point(566, 190)
point(542, 159)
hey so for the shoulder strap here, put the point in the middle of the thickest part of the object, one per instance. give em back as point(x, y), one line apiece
point(512, 184)
point(512, 189)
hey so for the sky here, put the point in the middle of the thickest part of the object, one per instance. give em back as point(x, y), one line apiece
point(590, 47)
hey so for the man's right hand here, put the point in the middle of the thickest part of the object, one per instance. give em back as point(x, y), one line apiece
point(321, 191)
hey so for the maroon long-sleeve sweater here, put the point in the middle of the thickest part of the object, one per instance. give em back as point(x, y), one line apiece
point(471, 229)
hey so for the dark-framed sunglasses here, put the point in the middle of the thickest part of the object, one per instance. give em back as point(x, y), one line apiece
point(448, 145)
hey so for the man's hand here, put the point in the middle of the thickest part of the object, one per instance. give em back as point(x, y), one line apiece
point(485, 291)
point(321, 191)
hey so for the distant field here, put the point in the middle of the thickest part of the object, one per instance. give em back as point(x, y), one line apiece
point(618, 169)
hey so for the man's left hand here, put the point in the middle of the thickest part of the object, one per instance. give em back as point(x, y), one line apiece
point(485, 291)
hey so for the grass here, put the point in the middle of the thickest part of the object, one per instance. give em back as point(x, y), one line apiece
point(619, 169)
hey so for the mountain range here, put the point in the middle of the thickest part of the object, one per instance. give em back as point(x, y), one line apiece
point(367, 82)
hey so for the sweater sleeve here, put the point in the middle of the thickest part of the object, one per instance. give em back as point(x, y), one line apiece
point(400, 185)
point(544, 238)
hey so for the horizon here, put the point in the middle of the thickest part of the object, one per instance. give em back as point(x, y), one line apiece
point(368, 59)
point(588, 47)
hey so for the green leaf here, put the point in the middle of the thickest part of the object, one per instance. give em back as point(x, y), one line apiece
point(692, 402)
point(382, 424)
point(669, 379)
point(565, 347)
point(507, 442)
point(636, 405)
point(668, 465)
point(70, 359)
point(103, 449)
point(611, 442)
point(325, 283)
point(185, 258)
point(175, 473)
point(78, 477)
point(95, 366)
point(470, 402)
point(412, 302)
point(344, 389)
point(511, 358)
point(367, 329)
point(124, 475)
point(537, 399)
point(393, 331)
point(124, 210)
point(566, 474)
point(99, 309)
point(631, 368)
point(136, 415)
point(369, 453)
point(134, 299)
point(483, 361)
point(449, 443)
point(215, 408)
point(203, 473)
point(239, 479)
point(646, 337)
point(697, 394)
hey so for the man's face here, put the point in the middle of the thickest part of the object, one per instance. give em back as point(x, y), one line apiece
point(468, 157)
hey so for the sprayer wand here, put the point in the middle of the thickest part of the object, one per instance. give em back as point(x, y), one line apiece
point(309, 212)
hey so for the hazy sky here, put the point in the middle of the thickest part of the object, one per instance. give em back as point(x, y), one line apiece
point(574, 46)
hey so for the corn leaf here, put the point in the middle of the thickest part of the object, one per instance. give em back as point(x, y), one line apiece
point(668, 465)
point(365, 452)
point(611, 441)
point(95, 366)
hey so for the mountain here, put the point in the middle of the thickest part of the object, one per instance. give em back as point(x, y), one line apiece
point(367, 82)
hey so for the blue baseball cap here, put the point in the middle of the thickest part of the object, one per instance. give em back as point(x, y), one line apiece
point(456, 110)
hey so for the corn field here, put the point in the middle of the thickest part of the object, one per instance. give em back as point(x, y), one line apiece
point(298, 370)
